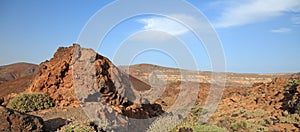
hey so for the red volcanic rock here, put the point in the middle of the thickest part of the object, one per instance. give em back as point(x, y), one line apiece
point(77, 75)
point(55, 78)
point(12, 121)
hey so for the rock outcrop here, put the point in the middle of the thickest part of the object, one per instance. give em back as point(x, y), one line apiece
point(78, 76)
point(55, 78)
point(12, 121)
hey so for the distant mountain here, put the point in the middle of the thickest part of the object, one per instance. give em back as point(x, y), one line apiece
point(144, 72)
point(17, 70)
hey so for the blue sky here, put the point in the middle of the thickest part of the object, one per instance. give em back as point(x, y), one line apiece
point(257, 36)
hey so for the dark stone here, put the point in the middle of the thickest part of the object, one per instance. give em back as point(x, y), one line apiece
point(12, 121)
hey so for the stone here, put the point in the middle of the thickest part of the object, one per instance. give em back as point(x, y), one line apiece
point(12, 121)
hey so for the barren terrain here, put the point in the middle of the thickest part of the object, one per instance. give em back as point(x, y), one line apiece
point(250, 102)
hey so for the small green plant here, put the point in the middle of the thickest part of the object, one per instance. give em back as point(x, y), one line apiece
point(226, 122)
point(196, 111)
point(30, 102)
point(198, 128)
point(251, 125)
point(79, 128)
point(293, 83)
point(290, 119)
point(207, 128)
point(241, 125)
point(255, 113)
point(257, 124)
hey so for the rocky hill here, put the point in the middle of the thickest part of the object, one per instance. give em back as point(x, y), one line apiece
point(15, 71)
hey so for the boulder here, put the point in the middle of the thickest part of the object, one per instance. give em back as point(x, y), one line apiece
point(12, 121)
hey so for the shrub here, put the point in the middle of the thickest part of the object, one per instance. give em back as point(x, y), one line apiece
point(255, 113)
point(242, 125)
point(258, 124)
point(83, 127)
point(290, 119)
point(293, 83)
point(196, 111)
point(226, 122)
point(251, 125)
point(30, 102)
point(207, 128)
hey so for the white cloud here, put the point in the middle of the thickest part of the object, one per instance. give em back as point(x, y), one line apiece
point(151, 36)
point(164, 24)
point(281, 30)
point(255, 10)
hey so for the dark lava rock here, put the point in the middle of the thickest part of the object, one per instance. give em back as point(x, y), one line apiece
point(12, 121)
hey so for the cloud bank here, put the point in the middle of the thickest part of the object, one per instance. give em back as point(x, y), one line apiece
point(254, 11)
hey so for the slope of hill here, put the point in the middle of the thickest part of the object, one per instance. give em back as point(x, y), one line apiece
point(15, 78)
point(144, 71)
point(13, 87)
point(17, 70)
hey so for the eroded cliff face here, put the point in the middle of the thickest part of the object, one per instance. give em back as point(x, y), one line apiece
point(77, 76)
